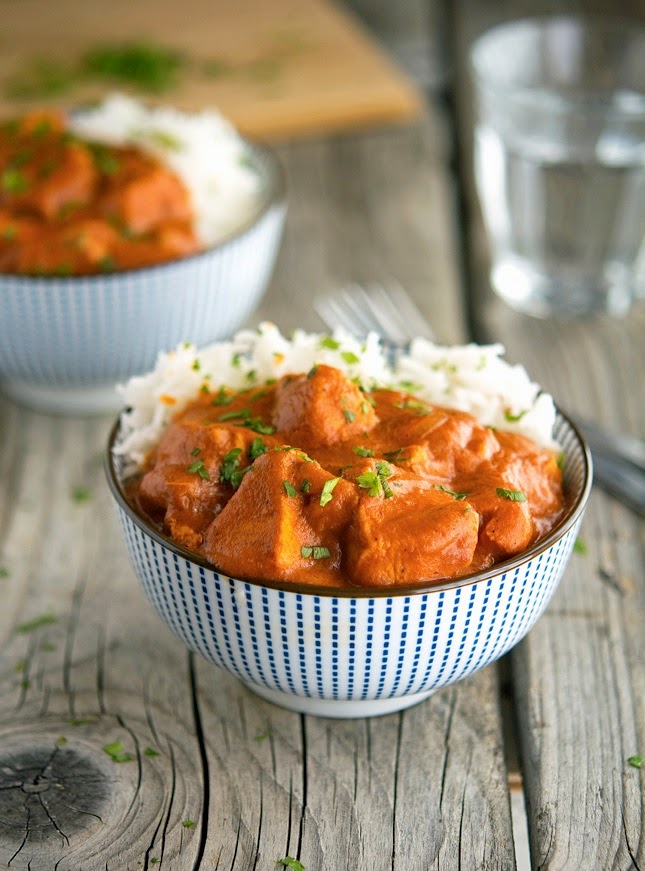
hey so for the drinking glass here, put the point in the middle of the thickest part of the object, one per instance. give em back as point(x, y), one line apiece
point(560, 162)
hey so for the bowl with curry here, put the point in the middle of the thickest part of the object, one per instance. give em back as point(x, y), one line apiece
point(124, 230)
point(344, 535)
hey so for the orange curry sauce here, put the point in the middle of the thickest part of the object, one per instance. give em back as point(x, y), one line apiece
point(70, 207)
point(312, 480)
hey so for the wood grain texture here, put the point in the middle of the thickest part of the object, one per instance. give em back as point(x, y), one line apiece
point(579, 677)
point(423, 789)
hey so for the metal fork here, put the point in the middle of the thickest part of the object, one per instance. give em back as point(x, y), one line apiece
point(619, 460)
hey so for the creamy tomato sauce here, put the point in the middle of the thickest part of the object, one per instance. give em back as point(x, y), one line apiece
point(69, 207)
point(313, 480)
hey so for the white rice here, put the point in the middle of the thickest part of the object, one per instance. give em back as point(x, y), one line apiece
point(203, 149)
point(470, 378)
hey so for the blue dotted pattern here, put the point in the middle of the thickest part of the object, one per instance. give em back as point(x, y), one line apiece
point(348, 648)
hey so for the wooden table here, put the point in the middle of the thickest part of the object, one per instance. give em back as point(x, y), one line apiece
point(223, 780)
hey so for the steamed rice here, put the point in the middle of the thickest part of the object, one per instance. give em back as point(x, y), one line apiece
point(471, 378)
point(203, 149)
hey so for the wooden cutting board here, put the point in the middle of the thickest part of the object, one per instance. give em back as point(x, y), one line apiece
point(278, 69)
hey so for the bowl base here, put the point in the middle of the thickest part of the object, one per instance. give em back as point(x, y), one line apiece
point(102, 399)
point(339, 708)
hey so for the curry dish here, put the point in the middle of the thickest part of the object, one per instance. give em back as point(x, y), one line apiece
point(70, 207)
point(314, 480)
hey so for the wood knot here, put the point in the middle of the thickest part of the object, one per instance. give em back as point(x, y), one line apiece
point(50, 790)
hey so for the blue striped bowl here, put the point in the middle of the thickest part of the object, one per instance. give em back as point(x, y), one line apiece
point(353, 652)
point(66, 341)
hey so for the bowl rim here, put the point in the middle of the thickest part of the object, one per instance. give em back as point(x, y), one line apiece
point(348, 592)
point(275, 196)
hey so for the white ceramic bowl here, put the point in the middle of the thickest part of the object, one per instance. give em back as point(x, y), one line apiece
point(66, 341)
point(353, 652)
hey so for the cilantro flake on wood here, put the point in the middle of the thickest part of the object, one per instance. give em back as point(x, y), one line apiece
point(291, 863)
point(36, 623)
point(115, 751)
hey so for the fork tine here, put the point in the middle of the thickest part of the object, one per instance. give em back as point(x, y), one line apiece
point(408, 312)
point(388, 311)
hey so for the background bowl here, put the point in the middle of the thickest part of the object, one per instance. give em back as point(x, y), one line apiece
point(66, 341)
point(353, 652)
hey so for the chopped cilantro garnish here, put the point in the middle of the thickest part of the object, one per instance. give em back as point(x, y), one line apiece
point(195, 451)
point(230, 464)
point(363, 452)
point(107, 264)
point(289, 489)
point(305, 487)
point(13, 182)
point(255, 424)
point(164, 140)
point(636, 761)
point(314, 552)
point(251, 375)
point(222, 398)
point(115, 752)
point(513, 495)
point(395, 456)
point(349, 357)
point(329, 343)
point(144, 65)
point(62, 741)
point(235, 360)
point(376, 482)
point(444, 364)
point(327, 491)
point(233, 415)
point(104, 161)
point(258, 447)
point(200, 469)
point(350, 416)
point(79, 721)
point(450, 492)
point(513, 418)
point(312, 371)
point(411, 386)
point(188, 824)
point(36, 623)
point(149, 751)
point(196, 364)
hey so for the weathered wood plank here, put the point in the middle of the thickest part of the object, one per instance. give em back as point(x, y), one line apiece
point(579, 677)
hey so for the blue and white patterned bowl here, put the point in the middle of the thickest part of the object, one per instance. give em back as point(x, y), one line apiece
point(353, 652)
point(66, 341)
